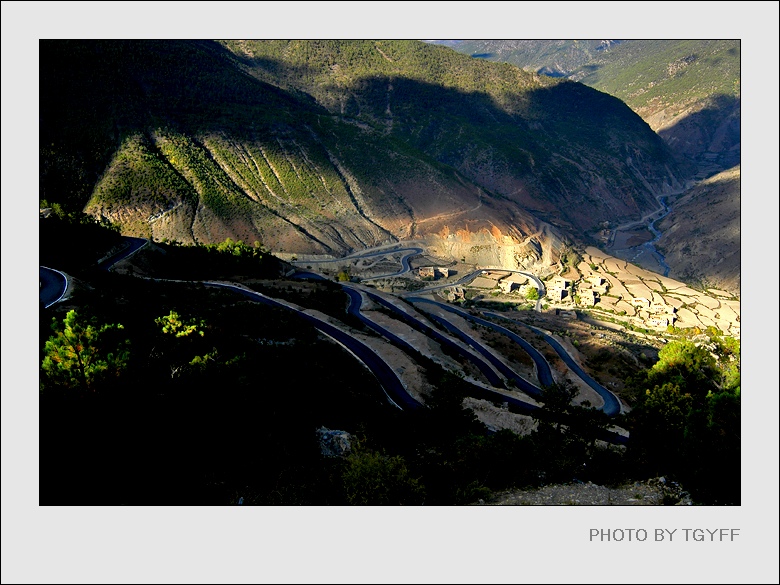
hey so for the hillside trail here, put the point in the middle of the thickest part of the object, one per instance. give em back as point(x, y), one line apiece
point(449, 215)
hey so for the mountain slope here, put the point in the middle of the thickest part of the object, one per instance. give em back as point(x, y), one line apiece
point(556, 58)
point(325, 147)
point(686, 90)
point(552, 147)
point(707, 256)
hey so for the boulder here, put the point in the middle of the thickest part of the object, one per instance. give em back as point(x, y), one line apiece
point(334, 443)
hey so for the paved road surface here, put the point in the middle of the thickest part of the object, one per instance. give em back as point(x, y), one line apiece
point(53, 285)
point(510, 374)
point(611, 403)
point(492, 377)
point(132, 245)
point(391, 384)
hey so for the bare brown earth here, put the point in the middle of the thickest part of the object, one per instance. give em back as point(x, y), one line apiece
point(497, 418)
point(627, 239)
point(653, 492)
point(701, 236)
point(600, 338)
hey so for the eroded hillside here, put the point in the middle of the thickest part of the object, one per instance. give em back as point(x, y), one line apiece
point(328, 147)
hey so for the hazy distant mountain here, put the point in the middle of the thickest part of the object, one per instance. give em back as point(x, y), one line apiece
point(557, 58)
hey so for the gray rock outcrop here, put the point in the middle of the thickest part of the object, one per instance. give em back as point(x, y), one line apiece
point(334, 443)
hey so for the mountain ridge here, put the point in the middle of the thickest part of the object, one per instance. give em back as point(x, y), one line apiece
point(689, 91)
point(205, 142)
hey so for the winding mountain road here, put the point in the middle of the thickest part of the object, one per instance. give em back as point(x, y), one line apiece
point(53, 285)
point(543, 367)
point(611, 403)
point(391, 384)
point(493, 378)
point(132, 245)
point(407, 254)
point(544, 374)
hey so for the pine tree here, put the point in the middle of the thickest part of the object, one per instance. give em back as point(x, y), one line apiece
point(81, 353)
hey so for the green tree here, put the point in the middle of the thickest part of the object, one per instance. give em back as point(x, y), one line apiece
point(687, 365)
point(557, 398)
point(82, 353)
point(173, 324)
point(687, 421)
point(669, 408)
point(371, 478)
point(187, 340)
point(532, 293)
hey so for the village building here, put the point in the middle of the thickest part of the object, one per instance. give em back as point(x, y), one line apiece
point(589, 298)
point(560, 282)
point(662, 308)
point(455, 294)
point(433, 272)
point(597, 280)
point(557, 294)
point(565, 314)
point(506, 286)
point(641, 302)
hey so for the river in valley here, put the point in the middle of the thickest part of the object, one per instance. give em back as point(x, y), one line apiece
point(637, 243)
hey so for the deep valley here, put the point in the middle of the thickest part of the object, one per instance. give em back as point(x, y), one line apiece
point(380, 273)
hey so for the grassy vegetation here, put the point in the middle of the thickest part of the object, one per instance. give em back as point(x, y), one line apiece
point(150, 124)
point(636, 71)
point(140, 173)
point(641, 71)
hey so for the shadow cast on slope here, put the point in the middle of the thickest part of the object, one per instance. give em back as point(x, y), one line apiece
point(711, 136)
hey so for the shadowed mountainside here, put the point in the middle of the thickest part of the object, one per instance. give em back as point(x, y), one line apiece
point(543, 144)
point(706, 256)
point(686, 90)
point(326, 147)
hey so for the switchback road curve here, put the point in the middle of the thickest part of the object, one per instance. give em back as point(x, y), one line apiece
point(611, 403)
point(543, 368)
point(407, 254)
point(53, 285)
point(391, 384)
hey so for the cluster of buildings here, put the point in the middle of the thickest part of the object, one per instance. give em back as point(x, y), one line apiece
point(591, 289)
point(657, 314)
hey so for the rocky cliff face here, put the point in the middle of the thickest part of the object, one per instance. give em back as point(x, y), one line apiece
point(534, 251)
